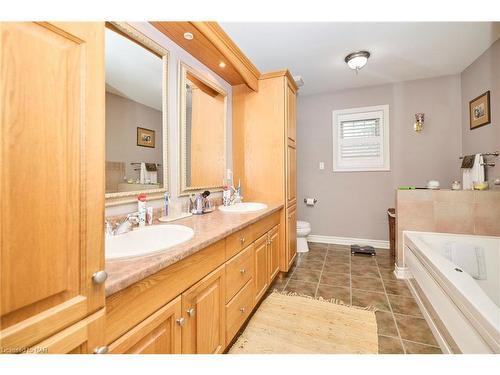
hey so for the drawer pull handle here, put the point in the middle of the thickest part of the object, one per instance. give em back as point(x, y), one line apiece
point(242, 309)
point(180, 321)
point(242, 240)
point(242, 271)
point(99, 277)
point(190, 311)
point(101, 350)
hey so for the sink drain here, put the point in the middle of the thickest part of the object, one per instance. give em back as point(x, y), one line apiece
point(458, 269)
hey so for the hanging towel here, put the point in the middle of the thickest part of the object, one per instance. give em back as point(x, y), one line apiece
point(474, 174)
point(468, 161)
point(143, 174)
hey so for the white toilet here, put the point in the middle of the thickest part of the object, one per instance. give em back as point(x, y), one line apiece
point(303, 230)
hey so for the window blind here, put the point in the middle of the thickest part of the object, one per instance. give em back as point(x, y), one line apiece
point(360, 139)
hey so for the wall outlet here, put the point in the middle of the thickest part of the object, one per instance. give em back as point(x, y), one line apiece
point(321, 165)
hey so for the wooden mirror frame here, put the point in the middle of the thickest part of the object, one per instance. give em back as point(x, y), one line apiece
point(126, 30)
point(184, 69)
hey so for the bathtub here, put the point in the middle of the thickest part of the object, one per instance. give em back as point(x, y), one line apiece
point(456, 282)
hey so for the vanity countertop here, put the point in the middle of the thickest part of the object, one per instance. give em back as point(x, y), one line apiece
point(208, 229)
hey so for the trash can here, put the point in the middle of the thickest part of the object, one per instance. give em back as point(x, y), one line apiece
point(391, 213)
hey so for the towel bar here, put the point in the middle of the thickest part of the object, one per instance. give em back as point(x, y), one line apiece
point(496, 153)
point(488, 164)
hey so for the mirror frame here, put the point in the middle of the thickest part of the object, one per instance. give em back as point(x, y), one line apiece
point(125, 29)
point(183, 188)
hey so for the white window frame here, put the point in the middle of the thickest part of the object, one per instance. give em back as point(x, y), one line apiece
point(379, 111)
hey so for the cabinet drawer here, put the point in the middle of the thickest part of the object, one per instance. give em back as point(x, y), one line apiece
point(238, 310)
point(238, 241)
point(238, 271)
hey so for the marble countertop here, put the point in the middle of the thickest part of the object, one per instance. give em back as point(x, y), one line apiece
point(208, 229)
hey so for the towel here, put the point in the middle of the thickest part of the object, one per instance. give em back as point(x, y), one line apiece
point(468, 161)
point(151, 173)
point(143, 173)
point(474, 174)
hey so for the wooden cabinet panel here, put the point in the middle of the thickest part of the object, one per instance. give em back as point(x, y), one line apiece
point(238, 241)
point(160, 333)
point(291, 242)
point(274, 252)
point(52, 177)
point(238, 271)
point(261, 273)
point(238, 310)
point(291, 180)
point(203, 308)
point(291, 112)
point(83, 337)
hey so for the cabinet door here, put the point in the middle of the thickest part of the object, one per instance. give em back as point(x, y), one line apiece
point(291, 234)
point(203, 310)
point(84, 337)
point(261, 272)
point(291, 178)
point(291, 113)
point(51, 177)
point(160, 333)
point(274, 252)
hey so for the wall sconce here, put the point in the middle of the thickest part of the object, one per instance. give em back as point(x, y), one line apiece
point(419, 122)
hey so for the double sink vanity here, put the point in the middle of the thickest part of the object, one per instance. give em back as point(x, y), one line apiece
point(192, 297)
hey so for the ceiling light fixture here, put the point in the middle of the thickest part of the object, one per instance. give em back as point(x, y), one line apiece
point(188, 35)
point(222, 64)
point(357, 60)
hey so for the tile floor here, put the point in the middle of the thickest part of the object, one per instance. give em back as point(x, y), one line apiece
point(330, 271)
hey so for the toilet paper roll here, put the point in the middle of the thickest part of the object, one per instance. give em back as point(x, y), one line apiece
point(310, 201)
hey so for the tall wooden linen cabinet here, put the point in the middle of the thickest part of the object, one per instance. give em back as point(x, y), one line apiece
point(264, 150)
point(51, 187)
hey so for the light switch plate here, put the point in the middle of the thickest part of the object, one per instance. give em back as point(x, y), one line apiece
point(321, 165)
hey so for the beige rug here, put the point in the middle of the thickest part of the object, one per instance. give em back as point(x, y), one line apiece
point(289, 323)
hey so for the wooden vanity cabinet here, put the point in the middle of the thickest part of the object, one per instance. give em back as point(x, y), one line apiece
point(203, 310)
point(261, 278)
point(52, 181)
point(274, 252)
point(291, 238)
point(160, 333)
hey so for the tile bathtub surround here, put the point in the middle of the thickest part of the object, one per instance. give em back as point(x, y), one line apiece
point(447, 211)
point(329, 271)
point(208, 229)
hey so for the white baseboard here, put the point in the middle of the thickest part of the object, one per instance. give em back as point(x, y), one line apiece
point(379, 244)
point(401, 272)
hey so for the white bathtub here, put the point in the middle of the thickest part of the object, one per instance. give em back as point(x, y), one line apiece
point(456, 281)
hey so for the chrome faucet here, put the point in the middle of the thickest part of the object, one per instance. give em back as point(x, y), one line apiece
point(124, 226)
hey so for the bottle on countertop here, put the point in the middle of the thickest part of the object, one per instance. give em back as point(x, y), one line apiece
point(141, 208)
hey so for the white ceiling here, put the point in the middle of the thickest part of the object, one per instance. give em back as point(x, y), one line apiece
point(132, 71)
point(399, 51)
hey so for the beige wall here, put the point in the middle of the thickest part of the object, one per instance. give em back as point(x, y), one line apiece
point(123, 116)
point(483, 75)
point(354, 204)
point(446, 211)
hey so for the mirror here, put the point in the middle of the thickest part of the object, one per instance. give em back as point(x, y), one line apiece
point(136, 121)
point(203, 107)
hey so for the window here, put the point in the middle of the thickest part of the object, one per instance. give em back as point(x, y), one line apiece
point(361, 139)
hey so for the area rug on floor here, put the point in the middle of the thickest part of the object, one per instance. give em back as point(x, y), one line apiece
point(290, 323)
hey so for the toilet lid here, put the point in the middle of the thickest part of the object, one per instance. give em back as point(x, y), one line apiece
point(303, 224)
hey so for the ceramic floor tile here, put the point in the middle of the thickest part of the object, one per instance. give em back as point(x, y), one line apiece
point(364, 260)
point(364, 298)
point(358, 270)
point(404, 305)
point(301, 287)
point(310, 264)
point(368, 283)
point(337, 267)
point(279, 283)
point(389, 345)
point(385, 324)
point(414, 348)
point(304, 274)
point(398, 287)
point(317, 246)
point(336, 279)
point(329, 292)
point(414, 329)
point(387, 273)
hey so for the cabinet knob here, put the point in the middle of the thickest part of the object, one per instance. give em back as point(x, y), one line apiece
point(242, 309)
point(99, 277)
point(190, 311)
point(180, 321)
point(242, 271)
point(242, 240)
point(101, 350)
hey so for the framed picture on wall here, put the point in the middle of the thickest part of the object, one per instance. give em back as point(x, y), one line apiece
point(145, 137)
point(479, 111)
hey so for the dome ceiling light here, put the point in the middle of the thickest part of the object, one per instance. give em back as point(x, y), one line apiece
point(357, 60)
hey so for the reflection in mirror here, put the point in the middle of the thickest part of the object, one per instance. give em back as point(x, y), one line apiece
point(203, 130)
point(135, 122)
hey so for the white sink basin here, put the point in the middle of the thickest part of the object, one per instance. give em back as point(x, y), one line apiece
point(147, 240)
point(244, 207)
